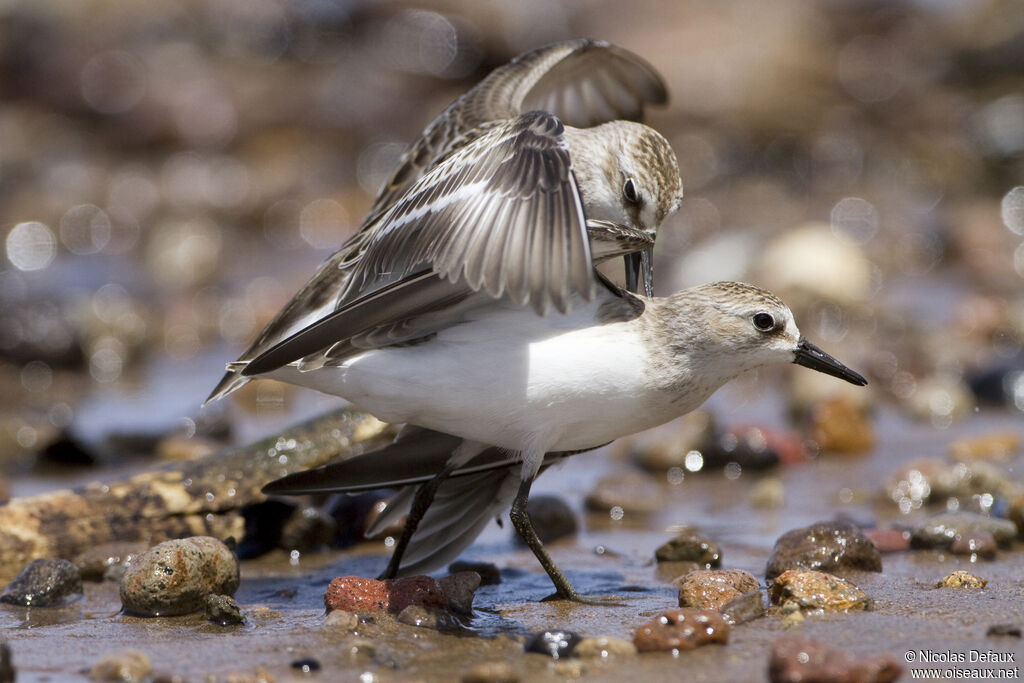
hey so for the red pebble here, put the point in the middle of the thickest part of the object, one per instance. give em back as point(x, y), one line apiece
point(888, 540)
point(358, 594)
point(682, 629)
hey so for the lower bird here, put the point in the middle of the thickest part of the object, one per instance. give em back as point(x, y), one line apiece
point(503, 390)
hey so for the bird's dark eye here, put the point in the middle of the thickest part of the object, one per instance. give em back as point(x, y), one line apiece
point(764, 321)
point(630, 192)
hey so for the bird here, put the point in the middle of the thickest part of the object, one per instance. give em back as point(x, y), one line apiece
point(489, 177)
point(511, 391)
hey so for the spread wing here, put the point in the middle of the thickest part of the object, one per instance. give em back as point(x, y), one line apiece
point(582, 82)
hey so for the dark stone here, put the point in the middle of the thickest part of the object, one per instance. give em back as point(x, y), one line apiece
point(306, 665)
point(1008, 630)
point(489, 573)
point(690, 547)
point(6, 665)
point(825, 546)
point(263, 525)
point(942, 530)
point(430, 617)
point(351, 515)
point(45, 583)
point(307, 529)
point(552, 519)
point(746, 607)
point(554, 644)
point(223, 610)
point(747, 448)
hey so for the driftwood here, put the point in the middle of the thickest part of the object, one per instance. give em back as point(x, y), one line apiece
point(203, 497)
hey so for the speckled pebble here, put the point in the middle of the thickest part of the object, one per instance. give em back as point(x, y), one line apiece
point(604, 647)
point(491, 672)
point(127, 666)
point(44, 583)
point(681, 629)
point(175, 577)
point(942, 530)
point(554, 644)
point(690, 547)
point(342, 620)
point(711, 589)
point(800, 660)
point(460, 589)
point(962, 579)
point(818, 590)
point(359, 594)
point(223, 610)
point(825, 546)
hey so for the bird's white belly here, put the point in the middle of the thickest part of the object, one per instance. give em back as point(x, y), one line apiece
point(514, 383)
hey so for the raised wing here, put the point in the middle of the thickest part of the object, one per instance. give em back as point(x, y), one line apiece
point(582, 82)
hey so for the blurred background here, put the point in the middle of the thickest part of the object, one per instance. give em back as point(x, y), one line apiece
point(170, 173)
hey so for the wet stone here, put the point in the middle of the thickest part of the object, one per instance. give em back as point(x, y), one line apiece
point(175, 577)
point(127, 666)
point(681, 629)
point(223, 610)
point(363, 652)
point(888, 540)
point(96, 562)
point(979, 545)
point(604, 647)
point(841, 425)
point(489, 573)
point(552, 519)
point(306, 665)
point(342, 620)
point(751, 448)
point(429, 617)
point(817, 590)
point(934, 480)
point(690, 547)
point(942, 530)
point(825, 546)
point(44, 583)
point(711, 589)
point(460, 589)
point(746, 607)
point(491, 672)
point(962, 579)
point(554, 644)
point(627, 493)
point(308, 528)
point(801, 660)
point(1004, 630)
point(358, 594)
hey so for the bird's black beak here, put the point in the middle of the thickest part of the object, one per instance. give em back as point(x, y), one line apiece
point(640, 271)
point(810, 356)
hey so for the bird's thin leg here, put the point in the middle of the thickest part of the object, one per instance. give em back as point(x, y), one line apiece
point(465, 452)
point(524, 527)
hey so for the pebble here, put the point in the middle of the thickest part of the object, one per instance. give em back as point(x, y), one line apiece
point(604, 647)
point(681, 629)
point(712, 589)
point(801, 660)
point(175, 577)
point(943, 529)
point(998, 446)
point(358, 594)
point(626, 493)
point(363, 652)
point(430, 617)
point(308, 528)
point(995, 383)
point(306, 665)
point(751, 448)
point(259, 675)
point(690, 547)
point(827, 546)
point(554, 644)
point(223, 610)
point(489, 573)
point(460, 589)
point(44, 583)
point(978, 545)
point(841, 425)
point(888, 540)
point(342, 620)
point(962, 579)
point(1007, 630)
point(934, 480)
point(768, 494)
point(746, 607)
point(491, 672)
point(552, 519)
point(818, 590)
point(127, 666)
point(96, 562)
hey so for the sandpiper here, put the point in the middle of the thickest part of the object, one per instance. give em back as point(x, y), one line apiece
point(494, 374)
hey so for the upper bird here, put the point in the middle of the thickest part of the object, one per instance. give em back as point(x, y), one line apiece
point(513, 191)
